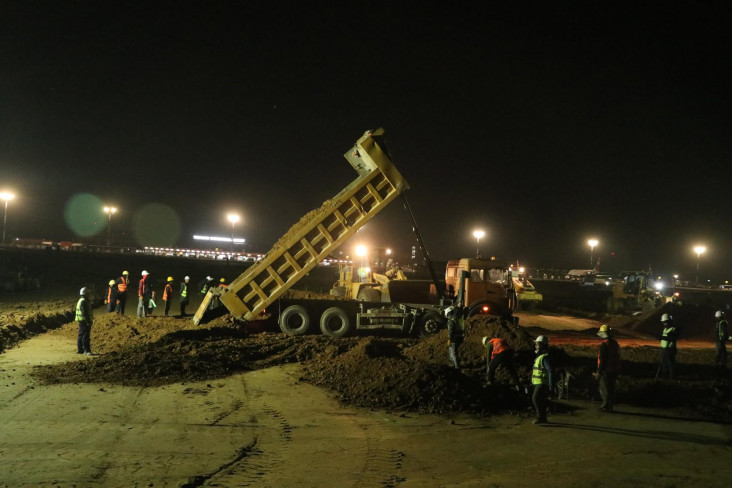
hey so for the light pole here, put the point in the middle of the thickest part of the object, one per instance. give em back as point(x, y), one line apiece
point(109, 211)
point(698, 250)
point(7, 197)
point(477, 234)
point(233, 218)
point(592, 243)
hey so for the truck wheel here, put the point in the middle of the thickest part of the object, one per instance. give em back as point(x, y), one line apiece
point(295, 320)
point(335, 322)
point(430, 324)
point(369, 295)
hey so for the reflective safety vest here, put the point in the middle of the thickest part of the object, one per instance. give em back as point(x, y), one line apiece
point(665, 342)
point(81, 315)
point(722, 330)
point(184, 290)
point(540, 375)
point(498, 346)
point(122, 285)
point(612, 360)
point(167, 292)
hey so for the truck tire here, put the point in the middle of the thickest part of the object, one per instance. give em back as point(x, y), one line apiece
point(335, 322)
point(369, 295)
point(295, 320)
point(430, 324)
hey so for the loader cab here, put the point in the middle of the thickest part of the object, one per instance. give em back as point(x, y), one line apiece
point(488, 285)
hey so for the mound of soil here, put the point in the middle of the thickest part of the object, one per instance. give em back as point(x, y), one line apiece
point(20, 321)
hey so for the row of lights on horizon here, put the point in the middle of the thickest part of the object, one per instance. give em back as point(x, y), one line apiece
point(109, 210)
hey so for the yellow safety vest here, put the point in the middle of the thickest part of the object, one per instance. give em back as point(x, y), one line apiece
point(539, 375)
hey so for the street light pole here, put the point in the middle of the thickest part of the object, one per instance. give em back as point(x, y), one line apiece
point(7, 197)
point(698, 250)
point(477, 234)
point(109, 211)
point(233, 218)
point(592, 243)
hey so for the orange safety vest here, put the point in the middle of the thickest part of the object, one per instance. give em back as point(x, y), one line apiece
point(122, 285)
point(167, 291)
point(612, 361)
point(498, 346)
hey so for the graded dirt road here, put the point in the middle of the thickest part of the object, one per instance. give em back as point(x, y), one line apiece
point(267, 428)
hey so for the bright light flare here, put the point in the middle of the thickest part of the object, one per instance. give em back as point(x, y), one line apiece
point(6, 196)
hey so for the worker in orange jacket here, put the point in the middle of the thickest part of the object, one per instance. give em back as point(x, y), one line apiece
point(168, 294)
point(123, 282)
point(110, 299)
point(498, 352)
point(608, 367)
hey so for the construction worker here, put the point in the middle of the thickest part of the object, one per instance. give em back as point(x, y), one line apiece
point(110, 300)
point(123, 282)
point(168, 294)
point(455, 332)
point(498, 352)
point(722, 338)
point(669, 337)
point(85, 318)
point(144, 294)
point(608, 367)
point(541, 378)
point(184, 298)
point(205, 285)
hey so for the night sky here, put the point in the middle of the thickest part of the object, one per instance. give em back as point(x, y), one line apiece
point(543, 123)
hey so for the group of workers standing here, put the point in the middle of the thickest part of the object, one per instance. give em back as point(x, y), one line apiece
point(500, 353)
point(115, 298)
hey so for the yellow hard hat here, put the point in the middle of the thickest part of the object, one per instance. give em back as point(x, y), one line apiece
point(170, 278)
point(485, 340)
point(603, 328)
point(125, 272)
point(604, 331)
point(223, 280)
point(111, 282)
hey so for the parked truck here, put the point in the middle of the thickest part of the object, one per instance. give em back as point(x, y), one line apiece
point(319, 233)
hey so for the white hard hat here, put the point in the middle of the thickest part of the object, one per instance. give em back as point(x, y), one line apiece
point(208, 278)
point(83, 291)
point(486, 339)
point(187, 278)
point(665, 317)
point(449, 310)
point(718, 313)
point(145, 273)
point(111, 282)
point(542, 340)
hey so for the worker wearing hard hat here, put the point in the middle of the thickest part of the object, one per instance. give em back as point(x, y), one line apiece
point(498, 352)
point(184, 295)
point(85, 318)
point(541, 379)
point(144, 295)
point(608, 367)
point(110, 299)
point(205, 285)
point(455, 332)
point(722, 337)
point(123, 282)
point(168, 294)
point(669, 336)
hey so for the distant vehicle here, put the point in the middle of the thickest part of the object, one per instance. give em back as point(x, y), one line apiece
point(725, 287)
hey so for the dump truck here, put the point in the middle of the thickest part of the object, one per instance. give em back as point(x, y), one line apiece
point(318, 234)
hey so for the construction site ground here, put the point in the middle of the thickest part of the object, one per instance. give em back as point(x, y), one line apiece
point(168, 404)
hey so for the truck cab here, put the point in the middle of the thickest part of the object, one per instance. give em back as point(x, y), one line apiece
point(488, 285)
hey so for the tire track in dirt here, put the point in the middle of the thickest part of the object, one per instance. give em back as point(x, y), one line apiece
point(253, 462)
point(382, 465)
point(102, 465)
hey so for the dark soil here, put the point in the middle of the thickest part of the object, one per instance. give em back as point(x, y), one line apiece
point(383, 372)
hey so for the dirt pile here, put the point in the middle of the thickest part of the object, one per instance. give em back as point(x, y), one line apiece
point(19, 321)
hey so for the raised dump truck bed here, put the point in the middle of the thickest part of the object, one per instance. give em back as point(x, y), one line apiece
point(316, 235)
